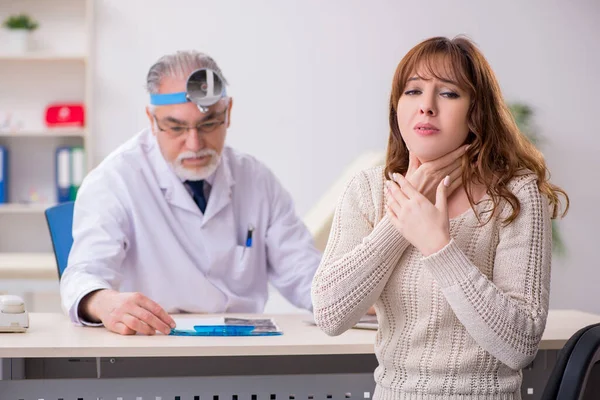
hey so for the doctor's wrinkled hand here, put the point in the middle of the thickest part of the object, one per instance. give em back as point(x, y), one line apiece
point(126, 313)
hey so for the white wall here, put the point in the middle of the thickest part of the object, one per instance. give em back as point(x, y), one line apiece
point(311, 83)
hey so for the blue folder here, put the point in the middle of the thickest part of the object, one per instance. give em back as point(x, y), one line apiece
point(222, 330)
point(3, 175)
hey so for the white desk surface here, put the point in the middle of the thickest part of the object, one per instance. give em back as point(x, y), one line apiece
point(53, 335)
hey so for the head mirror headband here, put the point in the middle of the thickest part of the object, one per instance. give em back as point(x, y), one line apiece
point(204, 87)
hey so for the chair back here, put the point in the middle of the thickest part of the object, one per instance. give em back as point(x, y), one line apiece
point(60, 225)
point(575, 361)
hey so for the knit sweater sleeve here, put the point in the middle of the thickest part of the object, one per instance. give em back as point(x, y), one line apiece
point(507, 314)
point(358, 260)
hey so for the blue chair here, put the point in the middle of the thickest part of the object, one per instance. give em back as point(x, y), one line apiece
point(60, 225)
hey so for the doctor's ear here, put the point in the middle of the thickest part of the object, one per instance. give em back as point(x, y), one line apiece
point(150, 119)
point(229, 112)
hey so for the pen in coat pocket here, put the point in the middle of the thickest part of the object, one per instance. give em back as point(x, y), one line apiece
point(249, 236)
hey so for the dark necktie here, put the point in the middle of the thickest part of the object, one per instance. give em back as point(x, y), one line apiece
point(198, 190)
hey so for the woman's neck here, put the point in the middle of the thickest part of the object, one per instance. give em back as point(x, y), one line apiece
point(458, 201)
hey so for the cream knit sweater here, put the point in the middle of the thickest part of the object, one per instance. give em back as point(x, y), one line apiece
point(459, 324)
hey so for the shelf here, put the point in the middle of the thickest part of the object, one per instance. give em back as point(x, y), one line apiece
point(20, 208)
point(43, 57)
point(55, 132)
point(28, 266)
point(57, 68)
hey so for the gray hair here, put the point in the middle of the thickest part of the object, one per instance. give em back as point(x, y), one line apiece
point(179, 65)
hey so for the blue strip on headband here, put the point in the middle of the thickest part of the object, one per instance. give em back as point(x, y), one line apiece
point(165, 99)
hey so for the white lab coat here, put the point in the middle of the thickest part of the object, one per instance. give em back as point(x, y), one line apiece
point(137, 228)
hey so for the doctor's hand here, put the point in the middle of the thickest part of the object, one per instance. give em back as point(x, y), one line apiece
point(426, 226)
point(127, 313)
point(425, 177)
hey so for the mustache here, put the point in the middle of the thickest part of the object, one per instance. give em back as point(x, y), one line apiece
point(195, 154)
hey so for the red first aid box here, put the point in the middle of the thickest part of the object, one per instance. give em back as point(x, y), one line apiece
point(59, 115)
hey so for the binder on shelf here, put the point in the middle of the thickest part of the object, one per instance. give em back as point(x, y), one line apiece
point(77, 170)
point(3, 175)
point(63, 174)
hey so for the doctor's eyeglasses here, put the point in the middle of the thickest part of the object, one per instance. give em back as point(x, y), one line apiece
point(176, 129)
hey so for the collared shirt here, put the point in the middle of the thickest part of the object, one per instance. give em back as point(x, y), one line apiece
point(208, 182)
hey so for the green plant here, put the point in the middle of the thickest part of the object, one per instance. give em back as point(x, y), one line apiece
point(523, 115)
point(20, 21)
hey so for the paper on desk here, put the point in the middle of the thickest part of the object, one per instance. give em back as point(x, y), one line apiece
point(365, 322)
point(187, 323)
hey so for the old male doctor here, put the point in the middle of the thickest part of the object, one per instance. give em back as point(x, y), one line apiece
point(175, 221)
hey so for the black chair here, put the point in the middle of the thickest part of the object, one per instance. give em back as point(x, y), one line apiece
point(575, 361)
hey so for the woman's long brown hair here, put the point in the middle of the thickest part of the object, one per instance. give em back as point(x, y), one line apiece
point(498, 149)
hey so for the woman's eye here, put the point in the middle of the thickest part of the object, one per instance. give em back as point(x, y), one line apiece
point(450, 95)
point(412, 92)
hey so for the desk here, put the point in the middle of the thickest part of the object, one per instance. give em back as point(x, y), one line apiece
point(55, 360)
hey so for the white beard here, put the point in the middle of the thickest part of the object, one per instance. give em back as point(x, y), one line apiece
point(196, 174)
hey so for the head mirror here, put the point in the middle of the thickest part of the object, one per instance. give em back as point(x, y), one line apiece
point(204, 88)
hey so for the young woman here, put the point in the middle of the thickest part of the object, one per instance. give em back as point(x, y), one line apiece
point(457, 262)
